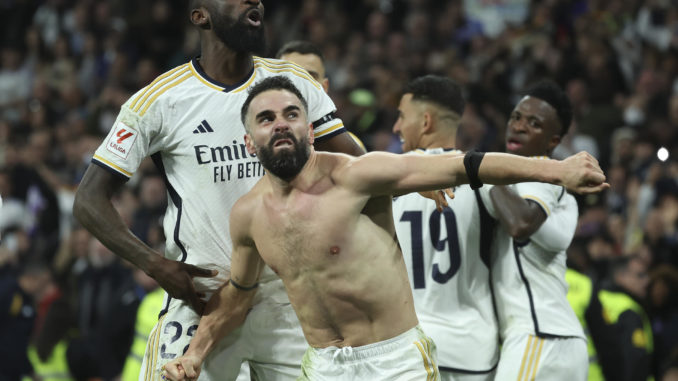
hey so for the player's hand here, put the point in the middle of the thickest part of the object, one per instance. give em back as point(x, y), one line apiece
point(186, 367)
point(439, 197)
point(582, 174)
point(177, 279)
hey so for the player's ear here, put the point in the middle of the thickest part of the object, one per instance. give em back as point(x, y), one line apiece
point(427, 126)
point(249, 144)
point(555, 140)
point(200, 17)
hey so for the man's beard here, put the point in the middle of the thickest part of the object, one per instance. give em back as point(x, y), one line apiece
point(238, 35)
point(285, 164)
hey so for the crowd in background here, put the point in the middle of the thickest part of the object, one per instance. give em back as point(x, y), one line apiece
point(66, 67)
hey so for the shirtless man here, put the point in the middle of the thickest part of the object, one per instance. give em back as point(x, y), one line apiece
point(342, 269)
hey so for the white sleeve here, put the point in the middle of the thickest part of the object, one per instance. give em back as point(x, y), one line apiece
point(486, 200)
point(130, 140)
point(546, 195)
point(556, 233)
point(321, 109)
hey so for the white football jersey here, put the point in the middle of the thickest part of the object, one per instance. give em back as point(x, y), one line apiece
point(529, 277)
point(190, 125)
point(447, 256)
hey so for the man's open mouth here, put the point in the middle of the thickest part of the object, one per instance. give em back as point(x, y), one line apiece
point(283, 142)
point(513, 144)
point(255, 17)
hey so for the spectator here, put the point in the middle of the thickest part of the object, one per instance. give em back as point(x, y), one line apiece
point(106, 309)
point(19, 296)
point(622, 299)
point(663, 311)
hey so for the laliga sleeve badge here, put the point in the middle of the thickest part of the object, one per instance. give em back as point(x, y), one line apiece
point(120, 142)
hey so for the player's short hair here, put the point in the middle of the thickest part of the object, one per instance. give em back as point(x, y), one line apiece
point(439, 90)
point(549, 92)
point(301, 47)
point(277, 82)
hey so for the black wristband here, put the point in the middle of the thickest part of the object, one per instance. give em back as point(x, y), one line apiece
point(472, 161)
point(243, 288)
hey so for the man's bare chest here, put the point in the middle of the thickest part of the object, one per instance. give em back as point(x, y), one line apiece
point(306, 232)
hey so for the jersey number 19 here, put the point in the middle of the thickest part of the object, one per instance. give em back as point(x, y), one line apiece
point(415, 219)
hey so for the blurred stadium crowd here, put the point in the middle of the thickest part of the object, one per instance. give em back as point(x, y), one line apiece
point(66, 67)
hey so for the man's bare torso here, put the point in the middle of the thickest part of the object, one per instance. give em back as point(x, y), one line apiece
point(340, 262)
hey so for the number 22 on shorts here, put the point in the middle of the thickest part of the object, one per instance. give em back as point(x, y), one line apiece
point(178, 330)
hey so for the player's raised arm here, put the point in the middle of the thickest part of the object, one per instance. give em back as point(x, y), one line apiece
point(226, 310)
point(383, 173)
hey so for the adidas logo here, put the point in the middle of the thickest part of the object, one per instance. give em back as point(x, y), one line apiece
point(203, 127)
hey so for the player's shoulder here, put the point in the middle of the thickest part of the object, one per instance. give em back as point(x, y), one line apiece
point(245, 208)
point(163, 86)
point(330, 163)
point(299, 75)
point(332, 160)
point(241, 207)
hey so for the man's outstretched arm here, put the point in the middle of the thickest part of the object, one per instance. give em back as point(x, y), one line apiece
point(94, 210)
point(226, 310)
point(383, 173)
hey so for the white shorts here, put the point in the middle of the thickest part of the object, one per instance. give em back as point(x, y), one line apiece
point(270, 340)
point(528, 357)
point(408, 356)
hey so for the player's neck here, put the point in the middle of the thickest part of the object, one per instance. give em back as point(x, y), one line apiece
point(438, 141)
point(223, 64)
point(536, 154)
